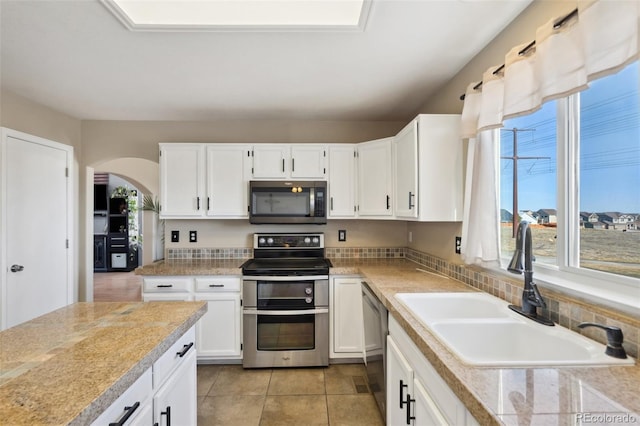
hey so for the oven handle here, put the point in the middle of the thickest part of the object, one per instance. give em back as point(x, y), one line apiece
point(285, 278)
point(289, 313)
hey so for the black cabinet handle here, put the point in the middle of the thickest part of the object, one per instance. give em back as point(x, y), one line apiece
point(197, 203)
point(184, 350)
point(165, 285)
point(128, 411)
point(411, 195)
point(409, 416)
point(293, 165)
point(168, 414)
point(402, 386)
point(388, 202)
point(216, 285)
point(208, 203)
point(283, 165)
point(331, 200)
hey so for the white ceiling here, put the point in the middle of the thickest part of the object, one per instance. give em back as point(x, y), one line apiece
point(76, 57)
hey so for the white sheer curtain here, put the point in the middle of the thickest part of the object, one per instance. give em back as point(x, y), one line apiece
point(600, 39)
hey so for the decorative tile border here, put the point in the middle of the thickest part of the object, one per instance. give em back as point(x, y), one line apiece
point(209, 253)
point(364, 252)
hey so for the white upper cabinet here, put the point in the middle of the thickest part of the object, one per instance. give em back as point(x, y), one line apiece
point(182, 180)
point(342, 181)
point(428, 169)
point(375, 178)
point(270, 161)
point(204, 180)
point(228, 174)
point(309, 161)
point(285, 161)
point(406, 166)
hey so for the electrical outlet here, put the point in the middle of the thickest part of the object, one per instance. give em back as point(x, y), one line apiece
point(342, 235)
point(193, 236)
point(458, 244)
point(175, 236)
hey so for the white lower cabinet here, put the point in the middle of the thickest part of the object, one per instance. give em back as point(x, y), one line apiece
point(345, 325)
point(165, 394)
point(175, 401)
point(219, 331)
point(416, 394)
point(133, 407)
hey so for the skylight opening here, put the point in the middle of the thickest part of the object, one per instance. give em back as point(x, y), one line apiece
point(240, 15)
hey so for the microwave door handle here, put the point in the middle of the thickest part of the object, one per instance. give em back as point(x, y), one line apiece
point(312, 202)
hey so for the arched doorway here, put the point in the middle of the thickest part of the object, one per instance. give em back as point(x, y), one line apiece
point(142, 175)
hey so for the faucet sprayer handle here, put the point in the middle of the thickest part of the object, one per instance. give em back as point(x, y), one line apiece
point(614, 339)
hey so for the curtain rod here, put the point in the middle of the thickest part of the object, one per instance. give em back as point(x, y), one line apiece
point(560, 22)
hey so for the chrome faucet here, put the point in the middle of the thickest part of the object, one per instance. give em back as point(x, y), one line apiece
point(522, 261)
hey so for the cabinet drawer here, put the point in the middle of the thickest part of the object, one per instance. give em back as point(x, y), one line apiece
point(139, 392)
point(172, 358)
point(168, 284)
point(218, 284)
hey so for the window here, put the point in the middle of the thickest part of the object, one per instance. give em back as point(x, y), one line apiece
point(577, 169)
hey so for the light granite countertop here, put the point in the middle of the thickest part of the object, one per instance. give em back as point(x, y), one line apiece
point(68, 366)
point(494, 396)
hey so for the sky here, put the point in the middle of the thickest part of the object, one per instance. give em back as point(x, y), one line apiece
point(609, 149)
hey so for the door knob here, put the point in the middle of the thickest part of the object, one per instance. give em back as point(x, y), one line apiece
point(17, 268)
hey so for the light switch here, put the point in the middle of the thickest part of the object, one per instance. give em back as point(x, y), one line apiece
point(175, 236)
point(342, 235)
point(193, 236)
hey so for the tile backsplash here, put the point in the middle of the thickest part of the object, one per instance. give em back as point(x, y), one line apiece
point(564, 310)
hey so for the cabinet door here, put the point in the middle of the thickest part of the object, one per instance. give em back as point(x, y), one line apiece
point(399, 385)
point(424, 410)
point(269, 161)
point(175, 402)
point(347, 316)
point(182, 180)
point(342, 181)
point(441, 174)
point(375, 179)
point(228, 172)
point(406, 171)
point(308, 161)
point(219, 331)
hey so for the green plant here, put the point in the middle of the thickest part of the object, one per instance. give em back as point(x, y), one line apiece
point(131, 195)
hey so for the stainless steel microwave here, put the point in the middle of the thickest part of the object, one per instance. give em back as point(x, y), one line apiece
point(287, 202)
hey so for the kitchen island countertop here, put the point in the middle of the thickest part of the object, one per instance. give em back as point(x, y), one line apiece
point(68, 366)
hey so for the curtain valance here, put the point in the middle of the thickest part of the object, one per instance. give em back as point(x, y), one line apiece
point(599, 40)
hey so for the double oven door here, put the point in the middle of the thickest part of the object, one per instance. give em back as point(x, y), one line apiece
point(285, 321)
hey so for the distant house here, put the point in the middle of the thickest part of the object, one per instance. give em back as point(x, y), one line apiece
point(505, 216)
point(547, 216)
point(584, 218)
point(528, 216)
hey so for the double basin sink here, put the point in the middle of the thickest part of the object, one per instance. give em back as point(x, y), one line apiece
point(481, 330)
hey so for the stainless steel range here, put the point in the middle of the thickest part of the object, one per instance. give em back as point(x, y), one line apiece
point(286, 302)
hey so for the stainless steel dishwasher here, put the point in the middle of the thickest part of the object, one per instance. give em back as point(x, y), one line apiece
point(376, 328)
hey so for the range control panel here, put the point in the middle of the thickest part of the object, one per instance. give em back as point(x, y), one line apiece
point(288, 240)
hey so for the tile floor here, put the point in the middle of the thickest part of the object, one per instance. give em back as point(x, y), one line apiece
point(231, 395)
point(336, 395)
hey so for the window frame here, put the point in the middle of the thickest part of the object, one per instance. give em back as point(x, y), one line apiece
point(620, 292)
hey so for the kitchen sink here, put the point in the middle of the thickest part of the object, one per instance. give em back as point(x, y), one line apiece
point(482, 331)
point(430, 307)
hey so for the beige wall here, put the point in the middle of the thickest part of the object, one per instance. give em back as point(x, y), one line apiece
point(238, 233)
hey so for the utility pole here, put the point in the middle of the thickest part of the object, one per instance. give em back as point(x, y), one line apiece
point(515, 159)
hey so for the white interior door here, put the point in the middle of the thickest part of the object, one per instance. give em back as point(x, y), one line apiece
point(36, 229)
